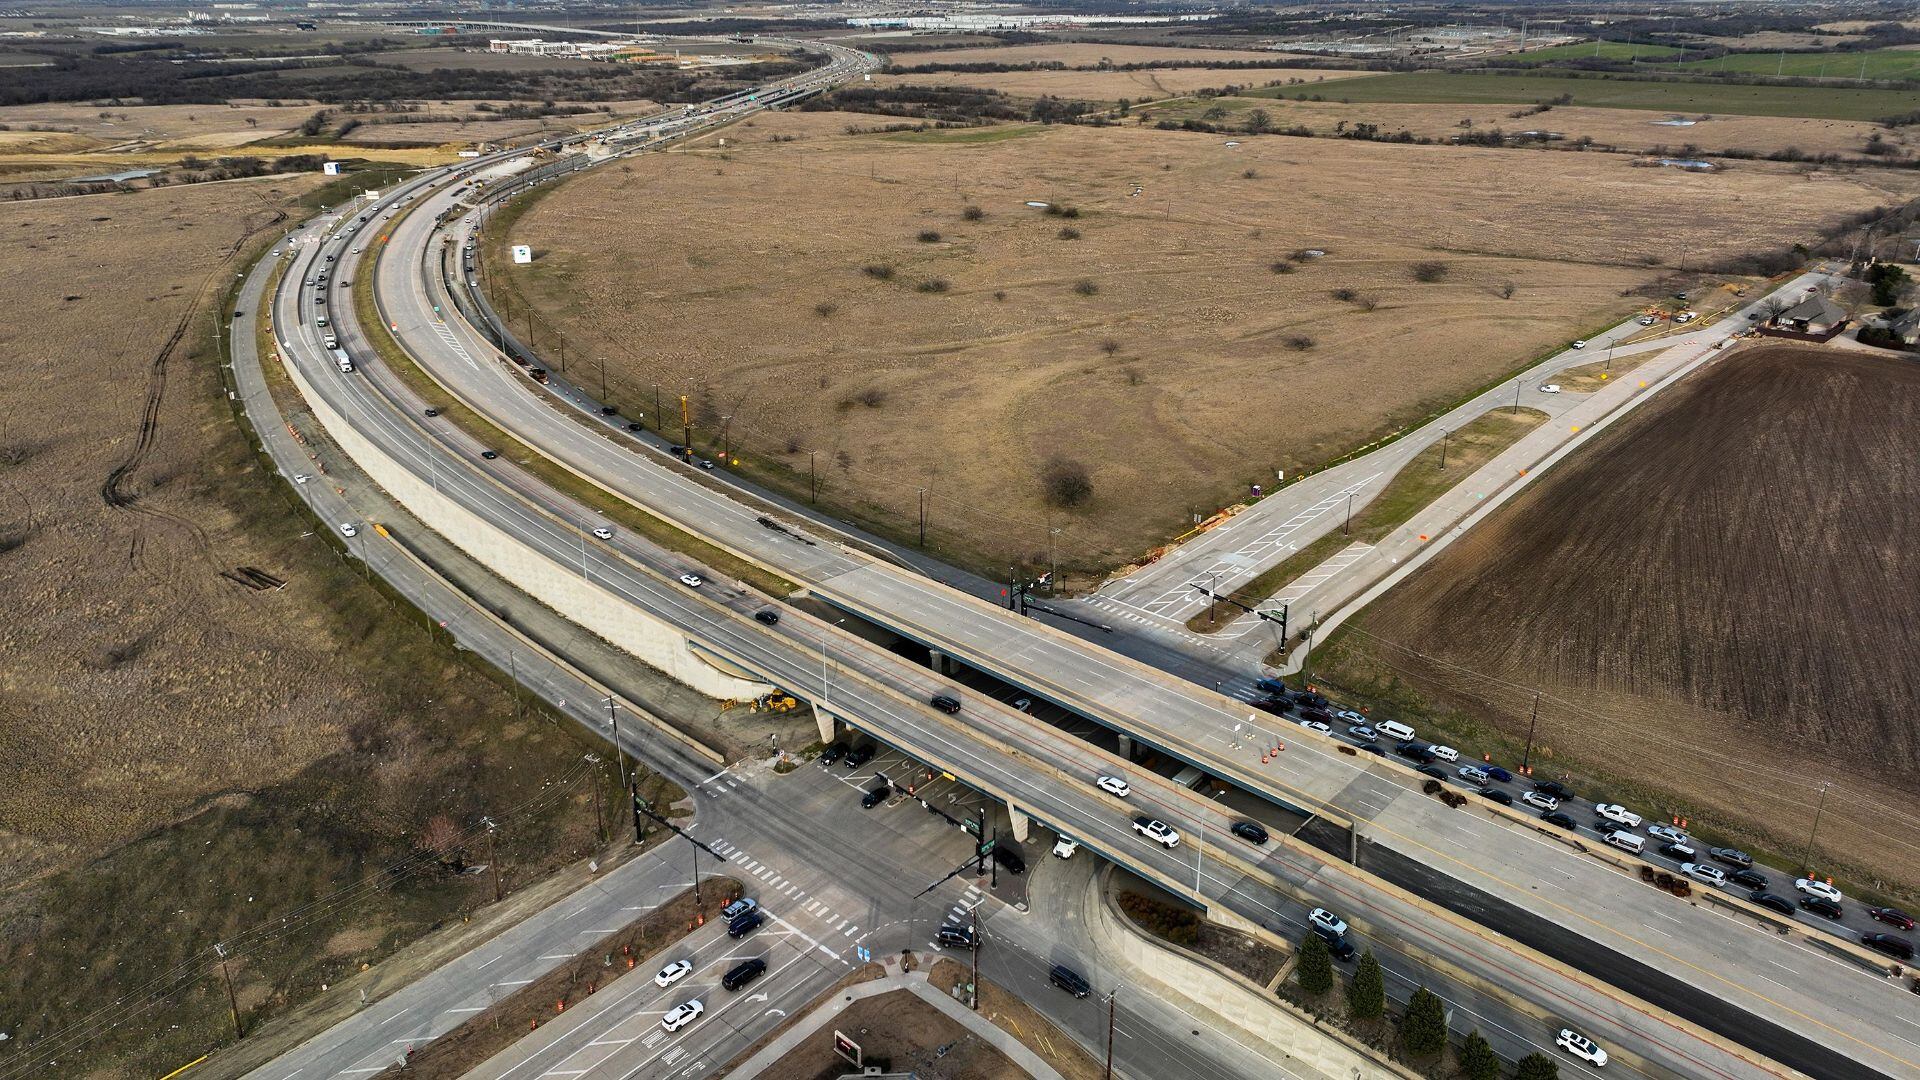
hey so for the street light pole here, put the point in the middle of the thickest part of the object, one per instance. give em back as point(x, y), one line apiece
point(613, 721)
point(1110, 996)
point(1444, 436)
point(1516, 396)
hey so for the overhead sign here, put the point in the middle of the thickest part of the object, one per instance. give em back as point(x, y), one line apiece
point(522, 254)
point(330, 168)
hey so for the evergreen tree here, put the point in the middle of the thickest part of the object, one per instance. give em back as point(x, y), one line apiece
point(1367, 993)
point(1424, 1030)
point(1537, 1067)
point(1315, 971)
point(1477, 1059)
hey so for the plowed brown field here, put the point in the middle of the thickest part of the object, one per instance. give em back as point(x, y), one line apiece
point(1717, 598)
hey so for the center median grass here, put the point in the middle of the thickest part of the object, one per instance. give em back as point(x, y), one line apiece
point(1414, 487)
point(549, 472)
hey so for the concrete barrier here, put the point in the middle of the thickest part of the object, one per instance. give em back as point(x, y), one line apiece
point(633, 709)
point(595, 608)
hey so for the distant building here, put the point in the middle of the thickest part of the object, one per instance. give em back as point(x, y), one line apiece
point(1907, 327)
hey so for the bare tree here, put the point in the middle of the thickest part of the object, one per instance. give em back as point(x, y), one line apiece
point(1066, 482)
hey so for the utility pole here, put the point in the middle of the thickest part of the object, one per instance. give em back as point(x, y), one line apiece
point(1807, 863)
point(1110, 996)
point(813, 479)
point(613, 721)
point(233, 1002)
point(493, 861)
point(603, 378)
point(1213, 593)
point(1444, 436)
point(1346, 526)
point(599, 815)
point(1526, 759)
point(686, 426)
point(1516, 396)
point(923, 517)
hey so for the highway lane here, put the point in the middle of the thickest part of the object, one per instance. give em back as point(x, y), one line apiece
point(413, 219)
point(1110, 834)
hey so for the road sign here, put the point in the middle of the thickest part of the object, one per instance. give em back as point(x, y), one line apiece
point(986, 847)
point(846, 1048)
point(863, 953)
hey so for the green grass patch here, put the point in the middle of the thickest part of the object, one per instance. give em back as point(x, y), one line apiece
point(1413, 488)
point(550, 472)
point(1601, 92)
point(1865, 64)
point(969, 136)
point(1601, 50)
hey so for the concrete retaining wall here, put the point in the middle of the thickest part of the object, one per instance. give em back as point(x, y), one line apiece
point(563, 589)
point(1292, 1038)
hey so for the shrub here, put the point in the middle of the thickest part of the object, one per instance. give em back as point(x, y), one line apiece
point(933, 285)
point(1250, 174)
point(1344, 295)
point(872, 397)
point(1537, 1066)
point(1298, 342)
point(1060, 210)
point(928, 236)
point(1175, 924)
point(1428, 271)
point(1507, 289)
point(1477, 1059)
point(825, 308)
point(1069, 233)
point(1085, 287)
point(1366, 303)
point(878, 270)
point(1109, 346)
point(973, 213)
point(1282, 266)
point(1065, 482)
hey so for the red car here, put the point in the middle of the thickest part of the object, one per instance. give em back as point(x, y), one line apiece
point(1891, 916)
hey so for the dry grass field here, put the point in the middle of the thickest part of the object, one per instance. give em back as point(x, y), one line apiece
point(1716, 598)
point(1075, 54)
point(184, 759)
point(1144, 85)
point(1628, 129)
point(1149, 338)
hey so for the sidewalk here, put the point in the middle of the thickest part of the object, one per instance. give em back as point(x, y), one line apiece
point(914, 982)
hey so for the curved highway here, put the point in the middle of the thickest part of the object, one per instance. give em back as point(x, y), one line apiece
point(1826, 1017)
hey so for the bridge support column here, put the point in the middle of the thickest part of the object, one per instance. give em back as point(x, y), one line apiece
point(826, 721)
point(1020, 823)
point(1220, 913)
point(937, 660)
point(1126, 747)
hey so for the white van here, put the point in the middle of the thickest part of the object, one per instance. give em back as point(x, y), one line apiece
point(1445, 753)
point(1626, 841)
point(1394, 729)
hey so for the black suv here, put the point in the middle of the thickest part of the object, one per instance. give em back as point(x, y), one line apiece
point(945, 703)
point(742, 925)
point(1553, 788)
point(875, 797)
point(1009, 858)
point(1415, 750)
point(1069, 980)
point(1893, 946)
point(954, 937)
point(859, 755)
point(834, 752)
point(743, 973)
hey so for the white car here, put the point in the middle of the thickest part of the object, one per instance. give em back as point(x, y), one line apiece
point(1157, 831)
point(691, 581)
point(1350, 716)
point(1581, 344)
point(1114, 785)
point(1646, 320)
point(1444, 753)
point(673, 973)
point(681, 1015)
point(1618, 814)
point(1317, 725)
point(356, 251)
point(1668, 833)
point(1544, 802)
point(301, 478)
point(603, 533)
point(1064, 847)
point(1550, 388)
point(1328, 921)
point(1581, 1047)
point(347, 529)
point(1816, 887)
point(1712, 875)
